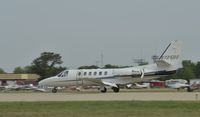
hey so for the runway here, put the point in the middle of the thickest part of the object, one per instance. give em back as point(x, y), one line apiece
point(124, 96)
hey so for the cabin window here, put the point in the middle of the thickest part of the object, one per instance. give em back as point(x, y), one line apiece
point(90, 73)
point(95, 73)
point(100, 73)
point(60, 74)
point(79, 73)
point(105, 73)
point(85, 73)
point(65, 73)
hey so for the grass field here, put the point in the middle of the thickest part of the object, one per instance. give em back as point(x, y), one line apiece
point(100, 109)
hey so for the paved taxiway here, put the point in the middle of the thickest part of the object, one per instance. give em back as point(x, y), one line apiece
point(124, 96)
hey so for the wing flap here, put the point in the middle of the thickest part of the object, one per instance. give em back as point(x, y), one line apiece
point(100, 82)
point(97, 81)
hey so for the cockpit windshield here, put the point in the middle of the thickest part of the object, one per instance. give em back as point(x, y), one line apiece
point(63, 74)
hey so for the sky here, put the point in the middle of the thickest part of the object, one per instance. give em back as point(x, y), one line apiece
point(81, 30)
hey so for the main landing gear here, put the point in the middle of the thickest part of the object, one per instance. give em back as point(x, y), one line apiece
point(115, 89)
point(104, 89)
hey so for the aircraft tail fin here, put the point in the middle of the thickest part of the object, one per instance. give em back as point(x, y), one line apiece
point(171, 56)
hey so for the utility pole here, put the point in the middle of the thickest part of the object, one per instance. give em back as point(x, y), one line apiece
point(97, 63)
point(102, 60)
point(139, 61)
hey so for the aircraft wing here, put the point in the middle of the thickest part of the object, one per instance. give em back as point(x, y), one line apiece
point(97, 81)
point(110, 84)
point(100, 82)
point(138, 80)
point(40, 90)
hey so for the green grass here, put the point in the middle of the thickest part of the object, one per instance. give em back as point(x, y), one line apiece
point(100, 109)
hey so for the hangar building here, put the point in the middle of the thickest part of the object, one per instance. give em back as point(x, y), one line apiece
point(20, 79)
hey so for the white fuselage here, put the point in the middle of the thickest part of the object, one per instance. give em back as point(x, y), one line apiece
point(120, 76)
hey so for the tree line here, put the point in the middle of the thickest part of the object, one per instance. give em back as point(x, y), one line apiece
point(49, 64)
point(189, 70)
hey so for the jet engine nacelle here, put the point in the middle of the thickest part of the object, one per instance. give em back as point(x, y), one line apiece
point(137, 72)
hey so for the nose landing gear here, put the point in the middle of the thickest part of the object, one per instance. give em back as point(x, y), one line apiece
point(103, 90)
point(54, 90)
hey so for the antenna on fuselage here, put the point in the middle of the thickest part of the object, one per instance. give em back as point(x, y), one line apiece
point(97, 63)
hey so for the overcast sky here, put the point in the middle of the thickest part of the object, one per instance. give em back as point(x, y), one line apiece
point(80, 30)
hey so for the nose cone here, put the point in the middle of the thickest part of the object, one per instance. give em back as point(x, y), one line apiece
point(44, 82)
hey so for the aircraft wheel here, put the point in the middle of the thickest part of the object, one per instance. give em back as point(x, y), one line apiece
point(103, 90)
point(189, 89)
point(54, 90)
point(115, 89)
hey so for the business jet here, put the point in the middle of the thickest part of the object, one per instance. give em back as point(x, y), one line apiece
point(177, 84)
point(166, 64)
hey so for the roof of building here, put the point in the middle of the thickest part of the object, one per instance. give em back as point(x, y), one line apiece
point(19, 76)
